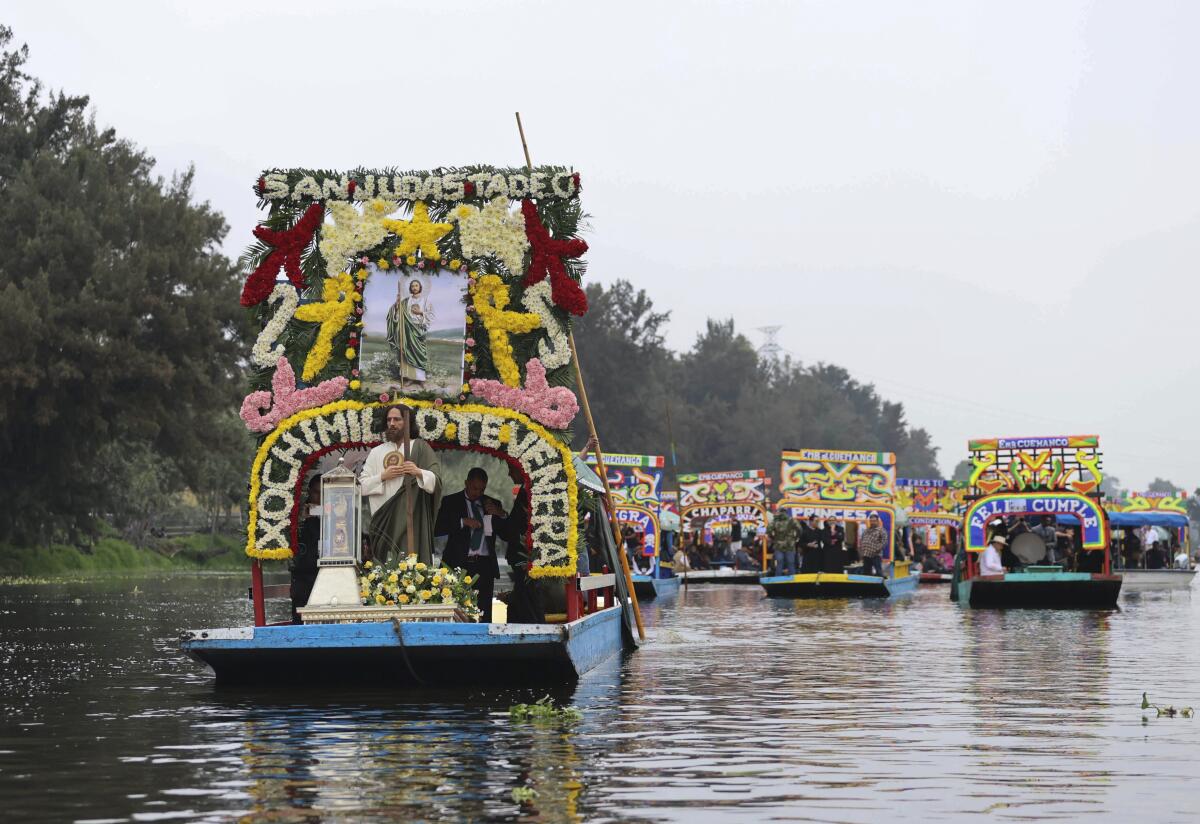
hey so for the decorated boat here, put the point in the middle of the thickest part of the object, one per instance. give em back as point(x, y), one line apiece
point(636, 484)
point(1131, 518)
point(448, 295)
point(929, 513)
point(709, 504)
point(848, 488)
point(1054, 480)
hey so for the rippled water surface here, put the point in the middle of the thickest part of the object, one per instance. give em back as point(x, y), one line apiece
point(739, 709)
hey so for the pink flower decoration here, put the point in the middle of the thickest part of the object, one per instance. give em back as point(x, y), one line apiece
point(262, 411)
point(470, 341)
point(437, 401)
point(555, 406)
point(383, 398)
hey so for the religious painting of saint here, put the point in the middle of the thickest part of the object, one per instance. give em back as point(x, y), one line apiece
point(415, 327)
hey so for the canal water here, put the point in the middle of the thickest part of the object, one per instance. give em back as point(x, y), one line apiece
point(739, 709)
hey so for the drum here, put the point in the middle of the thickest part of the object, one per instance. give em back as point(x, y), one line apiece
point(1029, 548)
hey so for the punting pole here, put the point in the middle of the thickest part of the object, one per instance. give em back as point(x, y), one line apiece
point(587, 413)
point(408, 421)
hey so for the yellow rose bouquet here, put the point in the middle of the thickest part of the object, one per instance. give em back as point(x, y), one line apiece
point(412, 582)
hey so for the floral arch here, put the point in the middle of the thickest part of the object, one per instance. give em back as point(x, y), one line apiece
point(289, 451)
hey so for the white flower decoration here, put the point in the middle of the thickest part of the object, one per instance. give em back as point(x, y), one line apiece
point(263, 355)
point(352, 233)
point(554, 350)
point(493, 230)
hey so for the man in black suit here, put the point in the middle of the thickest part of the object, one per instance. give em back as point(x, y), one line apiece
point(470, 520)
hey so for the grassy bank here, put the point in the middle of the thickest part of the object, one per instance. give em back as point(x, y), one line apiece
point(109, 555)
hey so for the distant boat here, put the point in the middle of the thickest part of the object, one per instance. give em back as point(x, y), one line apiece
point(1056, 477)
point(936, 578)
point(650, 587)
point(841, 584)
point(721, 575)
point(1147, 579)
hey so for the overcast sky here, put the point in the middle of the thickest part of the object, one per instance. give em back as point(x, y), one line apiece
point(989, 210)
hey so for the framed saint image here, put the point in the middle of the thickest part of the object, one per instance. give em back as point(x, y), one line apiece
point(415, 328)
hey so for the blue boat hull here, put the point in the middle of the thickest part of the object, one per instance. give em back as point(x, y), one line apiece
point(837, 585)
point(408, 654)
point(648, 588)
point(1042, 590)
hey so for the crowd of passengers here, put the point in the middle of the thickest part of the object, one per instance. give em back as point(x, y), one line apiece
point(820, 544)
point(1145, 548)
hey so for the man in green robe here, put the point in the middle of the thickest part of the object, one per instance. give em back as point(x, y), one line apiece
point(404, 490)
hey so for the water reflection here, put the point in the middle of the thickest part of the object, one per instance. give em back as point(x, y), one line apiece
point(1036, 681)
point(741, 707)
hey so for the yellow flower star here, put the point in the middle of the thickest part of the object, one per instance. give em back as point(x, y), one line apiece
point(418, 233)
point(332, 312)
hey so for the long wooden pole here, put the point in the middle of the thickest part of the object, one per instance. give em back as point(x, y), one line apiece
point(409, 539)
point(409, 493)
point(587, 414)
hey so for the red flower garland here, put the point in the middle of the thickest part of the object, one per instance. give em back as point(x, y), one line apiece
point(288, 243)
point(547, 255)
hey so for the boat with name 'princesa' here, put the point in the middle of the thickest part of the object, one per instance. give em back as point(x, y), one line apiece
point(845, 490)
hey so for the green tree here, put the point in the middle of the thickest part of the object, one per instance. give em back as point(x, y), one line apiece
point(1164, 486)
point(119, 320)
point(1110, 485)
point(626, 368)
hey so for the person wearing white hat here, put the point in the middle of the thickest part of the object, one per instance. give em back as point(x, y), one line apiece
point(989, 562)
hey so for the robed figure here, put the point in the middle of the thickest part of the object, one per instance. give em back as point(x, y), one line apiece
point(404, 490)
point(408, 323)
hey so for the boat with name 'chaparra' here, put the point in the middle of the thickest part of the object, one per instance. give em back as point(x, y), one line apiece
point(710, 503)
point(845, 491)
point(447, 295)
point(1051, 480)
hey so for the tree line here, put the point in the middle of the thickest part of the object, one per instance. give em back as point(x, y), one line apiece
point(120, 329)
point(722, 405)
